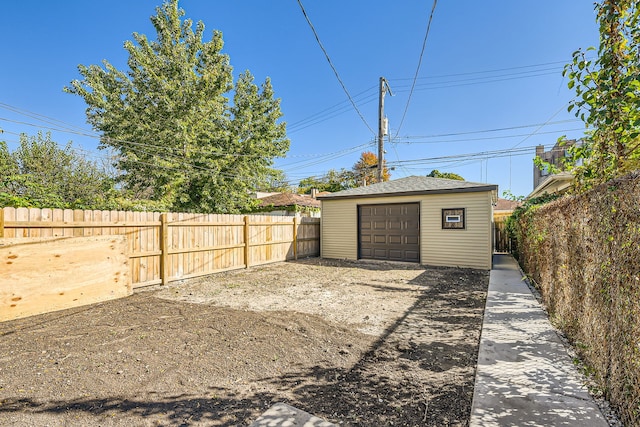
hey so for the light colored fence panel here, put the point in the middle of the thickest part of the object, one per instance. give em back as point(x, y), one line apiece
point(35, 277)
point(174, 246)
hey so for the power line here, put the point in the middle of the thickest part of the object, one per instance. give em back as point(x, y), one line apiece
point(441, 135)
point(487, 138)
point(335, 109)
point(544, 64)
point(467, 156)
point(489, 79)
point(435, 86)
point(304, 12)
point(121, 141)
point(344, 106)
point(331, 156)
point(415, 77)
point(543, 124)
point(40, 117)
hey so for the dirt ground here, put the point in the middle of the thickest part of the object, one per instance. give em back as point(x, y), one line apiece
point(359, 344)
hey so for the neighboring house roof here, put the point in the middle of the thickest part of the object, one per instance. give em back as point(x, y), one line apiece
point(412, 185)
point(556, 183)
point(506, 205)
point(263, 194)
point(289, 199)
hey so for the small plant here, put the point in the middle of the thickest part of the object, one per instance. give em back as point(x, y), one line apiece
point(232, 285)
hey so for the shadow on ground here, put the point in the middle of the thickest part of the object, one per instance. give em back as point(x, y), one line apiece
point(420, 372)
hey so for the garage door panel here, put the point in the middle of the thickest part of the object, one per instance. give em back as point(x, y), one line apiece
point(411, 240)
point(390, 232)
point(380, 239)
point(395, 210)
point(395, 239)
point(380, 253)
point(412, 256)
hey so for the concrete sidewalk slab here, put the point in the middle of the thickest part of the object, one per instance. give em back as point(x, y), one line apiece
point(525, 376)
point(283, 415)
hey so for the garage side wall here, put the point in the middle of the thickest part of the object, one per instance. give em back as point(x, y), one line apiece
point(470, 247)
point(339, 229)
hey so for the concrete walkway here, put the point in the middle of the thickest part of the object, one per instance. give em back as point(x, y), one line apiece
point(525, 376)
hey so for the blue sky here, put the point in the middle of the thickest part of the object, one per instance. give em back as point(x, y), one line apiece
point(487, 66)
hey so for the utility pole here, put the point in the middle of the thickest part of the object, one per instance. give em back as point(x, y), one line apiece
point(382, 125)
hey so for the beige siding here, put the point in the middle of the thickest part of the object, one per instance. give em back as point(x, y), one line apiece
point(339, 229)
point(470, 247)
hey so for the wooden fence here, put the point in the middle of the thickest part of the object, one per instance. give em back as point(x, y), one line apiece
point(173, 246)
point(501, 240)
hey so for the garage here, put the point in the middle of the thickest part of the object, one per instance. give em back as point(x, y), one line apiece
point(420, 219)
point(389, 232)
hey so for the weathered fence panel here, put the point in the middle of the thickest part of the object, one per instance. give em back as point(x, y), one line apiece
point(501, 240)
point(174, 246)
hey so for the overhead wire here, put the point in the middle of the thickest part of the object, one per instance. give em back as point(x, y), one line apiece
point(335, 109)
point(335, 71)
point(344, 106)
point(491, 154)
point(442, 135)
point(415, 77)
point(486, 138)
point(160, 152)
point(495, 70)
point(315, 159)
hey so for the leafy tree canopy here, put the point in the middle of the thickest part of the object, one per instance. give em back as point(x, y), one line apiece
point(448, 175)
point(43, 175)
point(185, 134)
point(608, 97)
point(366, 169)
point(363, 172)
point(334, 180)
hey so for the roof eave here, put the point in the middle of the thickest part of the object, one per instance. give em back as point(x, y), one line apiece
point(553, 179)
point(412, 193)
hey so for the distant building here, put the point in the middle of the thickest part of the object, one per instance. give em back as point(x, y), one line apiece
point(555, 157)
point(545, 182)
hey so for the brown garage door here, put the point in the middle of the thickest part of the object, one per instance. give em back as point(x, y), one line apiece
point(389, 232)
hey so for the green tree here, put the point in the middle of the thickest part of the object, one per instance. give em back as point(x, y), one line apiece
point(277, 183)
point(42, 174)
point(448, 175)
point(608, 97)
point(334, 180)
point(178, 137)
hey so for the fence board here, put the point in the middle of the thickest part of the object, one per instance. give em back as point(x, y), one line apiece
point(175, 246)
point(501, 240)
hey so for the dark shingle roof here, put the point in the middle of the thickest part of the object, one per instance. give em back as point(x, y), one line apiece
point(288, 199)
point(412, 185)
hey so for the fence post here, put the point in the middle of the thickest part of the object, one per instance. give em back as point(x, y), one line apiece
point(246, 241)
point(164, 249)
point(295, 238)
point(1, 222)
